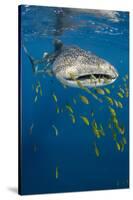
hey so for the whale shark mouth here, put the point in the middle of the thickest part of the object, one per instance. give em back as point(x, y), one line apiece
point(92, 77)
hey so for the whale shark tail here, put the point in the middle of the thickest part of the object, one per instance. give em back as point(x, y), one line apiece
point(31, 59)
point(35, 63)
point(47, 59)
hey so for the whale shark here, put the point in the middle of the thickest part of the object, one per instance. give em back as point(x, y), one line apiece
point(71, 65)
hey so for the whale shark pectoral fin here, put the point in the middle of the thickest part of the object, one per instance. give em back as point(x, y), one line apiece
point(49, 72)
point(44, 71)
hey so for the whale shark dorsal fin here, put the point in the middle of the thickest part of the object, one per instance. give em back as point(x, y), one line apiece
point(57, 44)
point(45, 55)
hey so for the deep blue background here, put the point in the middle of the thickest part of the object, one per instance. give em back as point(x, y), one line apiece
point(73, 149)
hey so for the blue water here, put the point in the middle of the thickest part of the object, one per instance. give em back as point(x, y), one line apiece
point(72, 150)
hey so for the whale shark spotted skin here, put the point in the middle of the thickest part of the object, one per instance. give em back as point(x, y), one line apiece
point(71, 65)
point(74, 64)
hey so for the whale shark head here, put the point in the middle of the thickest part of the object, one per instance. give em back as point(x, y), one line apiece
point(74, 65)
